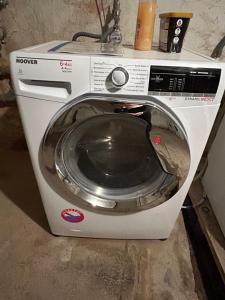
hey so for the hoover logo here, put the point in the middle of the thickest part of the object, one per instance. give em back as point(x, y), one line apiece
point(26, 61)
point(72, 215)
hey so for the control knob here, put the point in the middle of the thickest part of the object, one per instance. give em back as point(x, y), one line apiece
point(120, 77)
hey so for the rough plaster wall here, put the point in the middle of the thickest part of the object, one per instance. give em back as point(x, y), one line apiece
point(33, 21)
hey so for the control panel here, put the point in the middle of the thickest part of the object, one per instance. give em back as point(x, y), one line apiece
point(138, 77)
point(184, 80)
point(115, 75)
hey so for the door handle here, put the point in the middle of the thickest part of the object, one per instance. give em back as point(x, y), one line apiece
point(58, 89)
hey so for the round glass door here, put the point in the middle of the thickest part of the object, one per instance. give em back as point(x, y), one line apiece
point(116, 156)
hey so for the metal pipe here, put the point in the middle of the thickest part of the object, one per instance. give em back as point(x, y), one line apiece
point(8, 99)
point(86, 34)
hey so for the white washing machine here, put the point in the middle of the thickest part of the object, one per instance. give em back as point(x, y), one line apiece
point(115, 141)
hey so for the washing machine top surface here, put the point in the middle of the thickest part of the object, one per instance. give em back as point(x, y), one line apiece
point(55, 48)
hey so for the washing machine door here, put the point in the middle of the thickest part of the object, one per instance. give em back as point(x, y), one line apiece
point(115, 154)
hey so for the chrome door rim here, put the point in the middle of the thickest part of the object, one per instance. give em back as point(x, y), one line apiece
point(54, 172)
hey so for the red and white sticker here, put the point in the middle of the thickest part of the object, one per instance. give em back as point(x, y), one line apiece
point(66, 66)
point(72, 215)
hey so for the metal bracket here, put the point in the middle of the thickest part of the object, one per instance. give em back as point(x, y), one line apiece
point(3, 4)
point(2, 37)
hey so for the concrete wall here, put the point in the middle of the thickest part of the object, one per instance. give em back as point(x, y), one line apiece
point(33, 21)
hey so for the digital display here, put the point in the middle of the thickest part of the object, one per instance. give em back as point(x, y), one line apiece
point(184, 80)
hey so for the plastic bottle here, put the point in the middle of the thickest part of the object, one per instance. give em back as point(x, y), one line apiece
point(145, 24)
